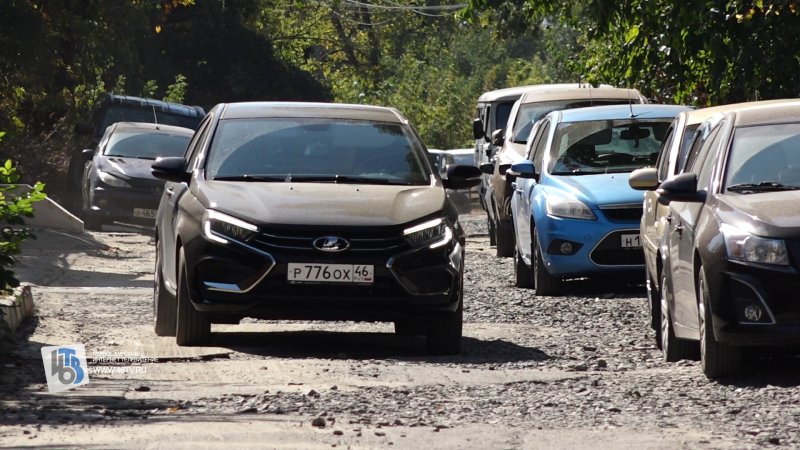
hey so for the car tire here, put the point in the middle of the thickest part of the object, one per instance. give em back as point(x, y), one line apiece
point(92, 222)
point(444, 332)
point(165, 308)
point(717, 360)
point(192, 326)
point(409, 327)
point(672, 348)
point(523, 275)
point(505, 238)
point(654, 304)
point(492, 231)
point(544, 283)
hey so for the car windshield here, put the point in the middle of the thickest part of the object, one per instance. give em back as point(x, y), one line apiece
point(146, 144)
point(603, 146)
point(316, 149)
point(764, 158)
point(529, 113)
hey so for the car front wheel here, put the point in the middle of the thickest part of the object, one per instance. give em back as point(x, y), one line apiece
point(544, 283)
point(504, 232)
point(164, 305)
point(192, 326)
point(444, 332)
point(717, 360)
point(523, 275)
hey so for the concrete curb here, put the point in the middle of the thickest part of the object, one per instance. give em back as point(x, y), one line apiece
point(49, 214)
point(16, 308)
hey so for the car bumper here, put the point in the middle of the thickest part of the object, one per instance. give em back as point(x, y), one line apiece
point(247, 280)
point(773, 290)
point(137, 205)
point(597, 246)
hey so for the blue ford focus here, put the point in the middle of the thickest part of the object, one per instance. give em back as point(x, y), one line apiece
point(574, 213)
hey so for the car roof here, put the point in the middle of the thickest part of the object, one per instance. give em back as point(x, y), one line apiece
point(611, 112)
point(249, 110)
point(767, 112)
point(698, 116)
point(513, 93)
point(574, 92)
point(147, 126)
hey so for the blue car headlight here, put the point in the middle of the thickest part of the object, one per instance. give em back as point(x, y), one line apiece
point(743, 246)
point(222, 228)
point(112, 180)
point(568, 207)
point(434, 233)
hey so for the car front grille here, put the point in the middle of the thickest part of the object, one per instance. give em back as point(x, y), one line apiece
point(301, 239)
point(623, 213)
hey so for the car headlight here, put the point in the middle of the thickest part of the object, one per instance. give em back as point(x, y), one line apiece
point(222, 228)
point(743, 246)
point(112, 180)
point(570, 208)
point(435, 233)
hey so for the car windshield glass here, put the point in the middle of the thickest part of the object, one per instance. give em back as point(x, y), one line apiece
point(764, 158)
point(529, 113)
point(603, 146)
point(146, 144)
point(318, 150)
point(122, 114)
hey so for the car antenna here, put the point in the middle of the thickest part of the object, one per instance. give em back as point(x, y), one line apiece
point(630, 103)
point(155, 117)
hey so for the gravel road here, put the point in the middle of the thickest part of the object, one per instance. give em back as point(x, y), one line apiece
point(575, 371)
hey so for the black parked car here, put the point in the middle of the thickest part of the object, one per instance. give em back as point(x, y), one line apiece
point(118, 184)
point(732, 266)
point(308, 211)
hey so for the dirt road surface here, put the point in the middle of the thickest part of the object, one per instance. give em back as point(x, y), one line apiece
point(578, 371)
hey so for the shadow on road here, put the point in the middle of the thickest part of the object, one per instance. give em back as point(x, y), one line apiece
point(360, 345)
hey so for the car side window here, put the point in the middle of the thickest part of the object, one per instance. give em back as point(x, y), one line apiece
point(197, 143)
point(663, 157)
point(540, 146)
point(707, 158)
point(697, 144)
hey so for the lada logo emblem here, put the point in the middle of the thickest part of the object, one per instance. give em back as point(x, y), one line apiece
point(331, 244)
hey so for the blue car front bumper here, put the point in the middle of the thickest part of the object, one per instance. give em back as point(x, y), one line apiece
point(595, 246)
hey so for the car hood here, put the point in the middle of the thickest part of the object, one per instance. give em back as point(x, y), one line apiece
point(322, 203)
point(512, 153)
point(773, 214)
point(129, 167)
point(599, 190)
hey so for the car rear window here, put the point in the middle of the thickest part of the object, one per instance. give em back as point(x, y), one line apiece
point(602, 146)
point(292, 148)
point(146, 144)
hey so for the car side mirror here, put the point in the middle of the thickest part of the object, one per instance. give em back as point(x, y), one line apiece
point(462, 177)
point(682, 188)
point(477, 129)
point(170, 169)
point(87, 154)
point(84, 128)
point(645, 179)
point(487, 168)
point(524, 169)
point(498, 136)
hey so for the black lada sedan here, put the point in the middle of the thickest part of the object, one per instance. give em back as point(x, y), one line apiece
point(308, 211)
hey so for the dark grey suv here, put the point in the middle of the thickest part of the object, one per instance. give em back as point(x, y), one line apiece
point(311, 212)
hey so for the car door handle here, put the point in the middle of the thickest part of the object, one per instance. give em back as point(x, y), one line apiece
point(679, 229)
point(668, 219)
point(170, 191)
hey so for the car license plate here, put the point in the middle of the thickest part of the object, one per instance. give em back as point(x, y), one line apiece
point(145, 213)
point(630, 241)
point(330, 273)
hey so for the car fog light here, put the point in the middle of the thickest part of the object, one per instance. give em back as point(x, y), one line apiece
point(566, 248)
point(753, 313)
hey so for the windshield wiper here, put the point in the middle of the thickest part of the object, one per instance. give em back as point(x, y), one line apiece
point(343, 179)
point(246, 177)
point(764, 186)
